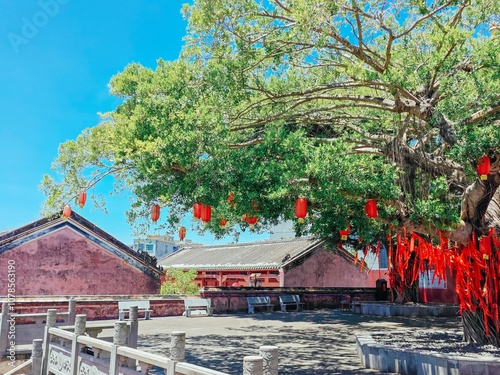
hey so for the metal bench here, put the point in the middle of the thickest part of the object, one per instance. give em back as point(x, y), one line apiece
point(142, 307)
point(193, 304)
point(254, 302)
point(290, 300)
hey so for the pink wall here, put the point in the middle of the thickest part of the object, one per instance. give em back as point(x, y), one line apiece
point(66, 263)
point(374, 275)
point(327, 269)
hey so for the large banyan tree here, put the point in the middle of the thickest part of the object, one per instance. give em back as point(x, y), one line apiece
point(335, 101)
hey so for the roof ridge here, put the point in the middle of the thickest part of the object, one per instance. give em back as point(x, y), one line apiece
point(241, 244)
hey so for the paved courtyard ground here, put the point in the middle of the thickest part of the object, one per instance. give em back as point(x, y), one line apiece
point(316, 342)
point(311, 342)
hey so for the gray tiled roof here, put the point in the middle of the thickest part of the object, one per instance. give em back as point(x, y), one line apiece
point(261, 255)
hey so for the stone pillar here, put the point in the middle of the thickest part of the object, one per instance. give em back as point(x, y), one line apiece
point(4, 328)
point(80, 326)
point(120, 335)
point(270, 356)
point(51, 318)
point(134, 327)
point(36, 357)
point(119, 339)
point(253, 365)
point(71, 312)
point(178, 346)
point(50, 322)
point(133, 333)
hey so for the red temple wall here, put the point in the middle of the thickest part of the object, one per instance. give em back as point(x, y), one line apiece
point(326, 269)
point(64, 262)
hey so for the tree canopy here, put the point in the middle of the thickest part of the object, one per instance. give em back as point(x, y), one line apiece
point(178, 281)
point(338, 102)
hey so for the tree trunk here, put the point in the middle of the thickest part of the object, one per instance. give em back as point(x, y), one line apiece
point(475, 328)
point(405, 289)
point(481, 210)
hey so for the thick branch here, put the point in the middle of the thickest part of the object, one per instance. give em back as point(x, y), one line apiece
point(480, 115)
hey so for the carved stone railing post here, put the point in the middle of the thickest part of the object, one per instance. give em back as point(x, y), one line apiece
point(119, 339)
point(178, 346)
point(177, 349)
point(71, 312)
point(4, 328)
point(80, 324)
point(270, 355)
point(133, 332)
point(253, 365)
point(50, 322)
point(36, 357)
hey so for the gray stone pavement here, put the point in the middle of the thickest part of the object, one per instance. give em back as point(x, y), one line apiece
point(310, 342)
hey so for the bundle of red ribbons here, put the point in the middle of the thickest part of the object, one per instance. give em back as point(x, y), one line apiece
point(475, 266)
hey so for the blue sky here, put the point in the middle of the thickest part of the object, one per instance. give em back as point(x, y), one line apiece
point(56, 59)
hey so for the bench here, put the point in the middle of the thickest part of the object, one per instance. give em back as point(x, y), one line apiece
point(254, 302)
point(290, 300)
point(192, 304)
point(142, 307)
point(356, 305)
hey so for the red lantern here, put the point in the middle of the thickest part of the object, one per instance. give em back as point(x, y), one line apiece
point(182, 233)
point(82, 198)
point(344, 234)
point(483, 167)
point(251, 220)
point(371, 208)
point(66, 211)
point(206, 213)
point(230, 199)
point(197, 210)
point(223, 222)
point(155, 212)
point(301, 209)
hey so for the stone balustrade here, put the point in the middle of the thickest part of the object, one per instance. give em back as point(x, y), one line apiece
point(17, 331)
point(68, 353)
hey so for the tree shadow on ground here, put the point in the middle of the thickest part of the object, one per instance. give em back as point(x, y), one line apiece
point(326, 344)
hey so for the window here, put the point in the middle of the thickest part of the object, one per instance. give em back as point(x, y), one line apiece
point(150, 247)
point(428, 280)
point(140, 247)
point(384, 262)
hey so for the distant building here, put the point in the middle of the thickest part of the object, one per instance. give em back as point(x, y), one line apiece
point(282, 231)
point(158, 246)
point(297, 262)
